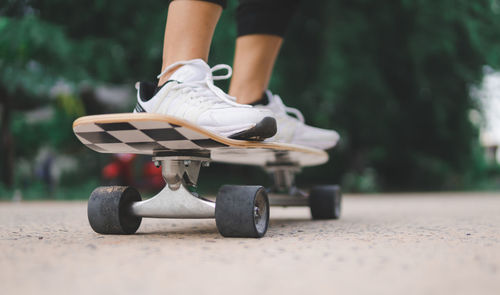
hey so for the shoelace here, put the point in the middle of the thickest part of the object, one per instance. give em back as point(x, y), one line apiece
point(200, 86)
point(286, 109)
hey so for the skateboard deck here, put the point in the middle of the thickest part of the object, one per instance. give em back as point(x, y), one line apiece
point(160, 135)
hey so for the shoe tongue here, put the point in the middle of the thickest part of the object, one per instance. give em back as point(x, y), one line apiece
point(195, 71)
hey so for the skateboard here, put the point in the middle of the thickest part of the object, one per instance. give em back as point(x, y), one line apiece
point(181, 148)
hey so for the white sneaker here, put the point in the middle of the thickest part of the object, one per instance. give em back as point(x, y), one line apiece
point(191, 95)
point(294, 130)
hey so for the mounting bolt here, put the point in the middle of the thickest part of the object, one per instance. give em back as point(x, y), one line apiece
point(256, 212)
point(187, 163)
point(157, 164)
point(205, 164)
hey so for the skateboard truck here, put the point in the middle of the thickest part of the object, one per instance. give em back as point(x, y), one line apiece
point(242, 211)
point(324, 201)
point(175, 200)
point(284, 192)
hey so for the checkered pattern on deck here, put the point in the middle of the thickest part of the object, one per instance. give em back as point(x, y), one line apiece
point(142, 137)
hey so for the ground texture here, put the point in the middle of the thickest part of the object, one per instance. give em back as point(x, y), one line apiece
point(383, 244)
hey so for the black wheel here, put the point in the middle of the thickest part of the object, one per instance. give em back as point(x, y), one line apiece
point(325, 202)
point(242, 211)
point(109, 210)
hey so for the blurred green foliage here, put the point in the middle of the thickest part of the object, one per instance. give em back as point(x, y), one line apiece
point(393, 77)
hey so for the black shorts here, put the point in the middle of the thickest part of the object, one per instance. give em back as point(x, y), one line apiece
point(262, 16)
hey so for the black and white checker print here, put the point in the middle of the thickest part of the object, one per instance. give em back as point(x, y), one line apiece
point(142, 137)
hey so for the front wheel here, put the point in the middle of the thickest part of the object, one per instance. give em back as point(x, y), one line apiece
point(242, 211)
point(109, 212)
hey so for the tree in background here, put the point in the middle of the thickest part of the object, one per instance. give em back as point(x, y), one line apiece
point(393, 76)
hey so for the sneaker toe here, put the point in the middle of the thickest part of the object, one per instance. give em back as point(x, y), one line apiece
point(316, 137)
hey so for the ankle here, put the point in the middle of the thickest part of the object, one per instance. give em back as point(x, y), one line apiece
point(164, 78)
point(263, 100)
point(247, 95)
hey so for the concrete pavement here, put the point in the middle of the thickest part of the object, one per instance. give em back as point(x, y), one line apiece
point(383, 244)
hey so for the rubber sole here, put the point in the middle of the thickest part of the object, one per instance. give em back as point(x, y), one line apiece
point(262, 130)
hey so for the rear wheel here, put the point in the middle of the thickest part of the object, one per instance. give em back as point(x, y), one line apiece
point(325, 202)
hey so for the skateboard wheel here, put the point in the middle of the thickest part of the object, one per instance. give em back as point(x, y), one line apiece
point(242, 211)
point(325, 202)
point(109, 210)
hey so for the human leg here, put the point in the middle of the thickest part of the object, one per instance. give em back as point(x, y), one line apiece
point(188, 32)
point(254, 60)
point(186, 89)
point(261, 27)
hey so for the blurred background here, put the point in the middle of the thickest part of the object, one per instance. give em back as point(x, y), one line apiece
point(411, 86)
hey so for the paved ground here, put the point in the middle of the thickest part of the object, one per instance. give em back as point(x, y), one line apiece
point(384, 244)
